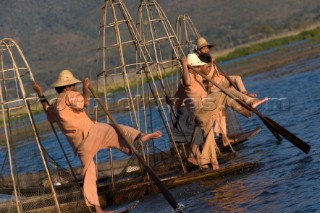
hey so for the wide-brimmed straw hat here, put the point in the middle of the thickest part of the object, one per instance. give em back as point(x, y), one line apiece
point(202, 42)
point(65, 78)
point(194, 60)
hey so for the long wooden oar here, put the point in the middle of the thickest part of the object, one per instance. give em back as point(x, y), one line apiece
point(163, 189)
point(271, 124)
point(276, 135)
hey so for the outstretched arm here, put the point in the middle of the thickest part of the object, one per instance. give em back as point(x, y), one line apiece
point(41, 96)
point(86, 92)
point(186, 80)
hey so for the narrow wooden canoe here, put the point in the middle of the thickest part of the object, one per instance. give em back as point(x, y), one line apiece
point(131, 189)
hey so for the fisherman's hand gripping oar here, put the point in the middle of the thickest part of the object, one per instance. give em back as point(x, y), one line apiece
point(271, 124)
point(177, 207)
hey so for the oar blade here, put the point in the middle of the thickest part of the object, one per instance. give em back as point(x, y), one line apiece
point(275, 133)
point(288, 135)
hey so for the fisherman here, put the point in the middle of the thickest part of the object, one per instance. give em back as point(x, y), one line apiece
point(204, 108)
point(85, 136)
point(191, 92)
point(220, 126)
point(203, 47)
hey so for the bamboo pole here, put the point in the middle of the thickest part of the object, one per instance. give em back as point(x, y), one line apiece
point(26, 103)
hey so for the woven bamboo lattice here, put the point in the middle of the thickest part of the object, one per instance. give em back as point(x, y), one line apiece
point(161, 41)
point(187, 33)
point(30, 177)
point(126, 62)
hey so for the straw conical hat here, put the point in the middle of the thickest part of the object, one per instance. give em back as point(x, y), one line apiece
point(194, 60)
point(202, 42)
point(65, 78)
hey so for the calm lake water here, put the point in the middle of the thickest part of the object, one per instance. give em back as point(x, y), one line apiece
point(287, 180)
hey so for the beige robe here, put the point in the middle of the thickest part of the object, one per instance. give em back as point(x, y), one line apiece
point(220, 124)
point(193, 96)
point(101, 136)
point(68, 111)
point(86, 137)
point(206, 112)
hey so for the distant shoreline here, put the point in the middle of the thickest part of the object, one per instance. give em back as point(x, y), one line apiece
point(228, 54)
point(221, 54)
point(253, 66)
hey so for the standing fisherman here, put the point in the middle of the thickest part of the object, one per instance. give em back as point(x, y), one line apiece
point(204, 108)
point(85, 136)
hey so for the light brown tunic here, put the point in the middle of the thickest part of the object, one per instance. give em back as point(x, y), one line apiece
point(68, 111)
point(86, 137)
point(220, 126)
point(194, 96)
point(100, 136)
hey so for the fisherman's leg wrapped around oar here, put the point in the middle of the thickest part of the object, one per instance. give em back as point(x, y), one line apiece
point(101, 136)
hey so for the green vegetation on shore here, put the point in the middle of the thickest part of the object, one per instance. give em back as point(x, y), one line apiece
point(243, 51)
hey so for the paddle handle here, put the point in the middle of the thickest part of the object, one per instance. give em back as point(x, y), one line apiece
point(152, 174)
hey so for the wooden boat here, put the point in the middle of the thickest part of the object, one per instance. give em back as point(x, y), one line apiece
point(183, 128)
point(129, 189)
point(238, 138)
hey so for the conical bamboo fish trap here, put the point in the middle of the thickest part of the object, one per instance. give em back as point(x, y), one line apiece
point(127, 64)
point(187, 33)
point(30, 176)
point(161, 41)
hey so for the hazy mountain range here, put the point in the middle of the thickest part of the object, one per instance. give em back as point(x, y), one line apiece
point(64, 33)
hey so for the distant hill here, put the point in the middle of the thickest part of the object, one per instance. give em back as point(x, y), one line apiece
point(64, 33)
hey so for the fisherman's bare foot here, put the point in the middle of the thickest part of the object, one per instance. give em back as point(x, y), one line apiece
point(256, 103)
point(100, 210)
point(153, 135)
point(205, 166)
point(226, 142)
point(230, 140)
point(215, 166)
point(192, 160)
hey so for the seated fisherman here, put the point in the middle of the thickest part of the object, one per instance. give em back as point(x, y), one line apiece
point(85, 136)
